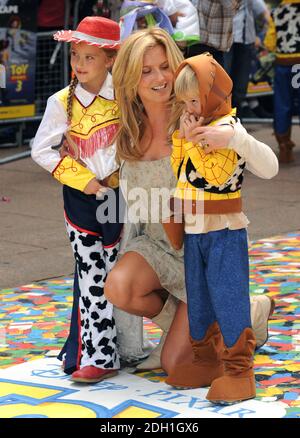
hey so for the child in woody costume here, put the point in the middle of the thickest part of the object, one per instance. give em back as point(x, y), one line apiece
point(215, 241)
point(283, 38)
point(86, 114)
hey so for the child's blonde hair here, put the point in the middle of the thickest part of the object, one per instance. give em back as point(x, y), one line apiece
point(186, 83)
point(127, 72)
point(186, 86)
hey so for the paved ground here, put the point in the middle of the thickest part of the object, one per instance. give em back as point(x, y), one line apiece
point(34, 246)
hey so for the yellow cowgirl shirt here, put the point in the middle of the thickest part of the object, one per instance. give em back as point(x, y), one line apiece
point(209, 184)
point(95, 121)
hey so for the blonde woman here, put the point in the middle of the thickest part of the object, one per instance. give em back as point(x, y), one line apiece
point(148, 279)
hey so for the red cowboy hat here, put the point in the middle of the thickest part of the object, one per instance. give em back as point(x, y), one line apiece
point(95, 31)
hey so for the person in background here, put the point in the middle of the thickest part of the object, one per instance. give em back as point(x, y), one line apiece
point(283, 38)
point(184, 20)
point(238, 59)
point(215, 24)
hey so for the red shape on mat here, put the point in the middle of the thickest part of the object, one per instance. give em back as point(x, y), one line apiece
point(273, 382)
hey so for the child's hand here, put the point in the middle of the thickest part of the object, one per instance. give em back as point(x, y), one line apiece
point(190, 125)
point(214, 137)
point(185, 115)
point(93, 187)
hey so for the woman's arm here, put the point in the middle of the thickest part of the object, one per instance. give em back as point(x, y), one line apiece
point(215, 168)
point(260, 159)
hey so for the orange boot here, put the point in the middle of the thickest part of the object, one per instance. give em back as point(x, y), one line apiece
point(238, 382)
point(206, 365)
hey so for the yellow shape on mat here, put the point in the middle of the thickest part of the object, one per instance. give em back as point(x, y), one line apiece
point(26, 390)
point(49, 410)
point(136, 412)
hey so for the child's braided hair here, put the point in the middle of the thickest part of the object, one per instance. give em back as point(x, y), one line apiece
point(72, 86)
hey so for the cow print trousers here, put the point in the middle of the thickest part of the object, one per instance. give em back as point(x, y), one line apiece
point(92, 338)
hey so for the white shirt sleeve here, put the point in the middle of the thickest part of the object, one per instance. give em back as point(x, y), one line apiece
point(260, 159)
point(49, 134)
point(168, 6)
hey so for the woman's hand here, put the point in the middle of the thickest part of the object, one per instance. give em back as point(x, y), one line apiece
point(214, 137)
point(64, 149)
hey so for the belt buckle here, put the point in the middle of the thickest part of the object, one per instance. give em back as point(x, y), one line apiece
point(113, 180)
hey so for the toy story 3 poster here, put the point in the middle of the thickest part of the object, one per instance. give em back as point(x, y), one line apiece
point(17, 57)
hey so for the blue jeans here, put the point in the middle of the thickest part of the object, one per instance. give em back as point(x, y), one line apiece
point(217, 283)
point(284, 98)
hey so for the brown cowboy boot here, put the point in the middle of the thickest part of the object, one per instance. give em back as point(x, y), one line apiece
point(285, 147)
point(206, 365)
point(238, 382)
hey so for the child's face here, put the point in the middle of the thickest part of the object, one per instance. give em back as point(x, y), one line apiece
point(89, 64)
point(193, 105)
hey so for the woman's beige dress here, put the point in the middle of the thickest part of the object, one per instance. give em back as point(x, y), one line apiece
point(139, 183)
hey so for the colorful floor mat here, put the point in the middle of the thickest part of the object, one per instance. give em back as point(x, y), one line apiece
point(34, 321)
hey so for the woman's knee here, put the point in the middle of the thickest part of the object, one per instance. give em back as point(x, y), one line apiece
point(115, 288)
point(119, 289)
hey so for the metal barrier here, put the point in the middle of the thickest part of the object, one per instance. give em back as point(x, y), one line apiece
point(51, 74)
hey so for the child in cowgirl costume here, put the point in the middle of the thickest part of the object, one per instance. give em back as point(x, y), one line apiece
point(86, 113)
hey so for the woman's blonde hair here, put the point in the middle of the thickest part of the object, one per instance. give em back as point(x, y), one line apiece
point(127, 72)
